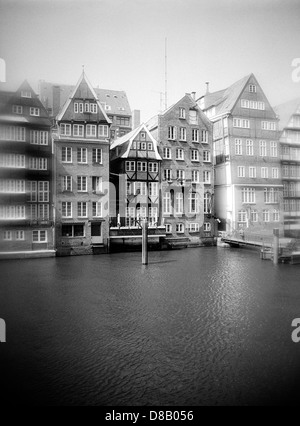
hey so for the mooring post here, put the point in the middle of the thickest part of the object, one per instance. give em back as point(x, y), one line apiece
point(145, 243)
point(276, 246)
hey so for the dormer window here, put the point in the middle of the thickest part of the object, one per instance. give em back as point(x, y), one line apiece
point(35, 112)
point(17, 109)
point(252, 88)
point(25, 94)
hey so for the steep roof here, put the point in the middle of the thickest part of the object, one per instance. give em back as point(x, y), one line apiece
point(226, 99)
point(129, 138)
point(285, 112)
point(83, 90)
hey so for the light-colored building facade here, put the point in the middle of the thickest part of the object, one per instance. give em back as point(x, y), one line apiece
point(248, 185)
point(289, 126)
point(26, 187)
point(81, 153)
point(184, 135)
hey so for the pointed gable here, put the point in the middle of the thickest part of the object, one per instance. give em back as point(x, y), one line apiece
point(83, 105)
point(286, 111)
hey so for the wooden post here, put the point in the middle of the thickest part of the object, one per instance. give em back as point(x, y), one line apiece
point(145, 243)
point(276, 246)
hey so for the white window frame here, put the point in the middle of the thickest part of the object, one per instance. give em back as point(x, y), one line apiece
point(195, 155)
point(97, 154)
point(82, 184)
point(82, 209)
point(41, 236)
point(67, 183)
point(67, 155)
point(67, 207)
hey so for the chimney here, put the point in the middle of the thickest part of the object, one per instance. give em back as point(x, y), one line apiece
point(194, 95)
point(136, 118)
point(56, 100)
point(207, 87)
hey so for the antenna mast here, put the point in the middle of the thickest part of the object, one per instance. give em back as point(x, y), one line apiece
point(166, 73)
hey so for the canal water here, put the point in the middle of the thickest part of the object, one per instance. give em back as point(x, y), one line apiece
point(196, 327)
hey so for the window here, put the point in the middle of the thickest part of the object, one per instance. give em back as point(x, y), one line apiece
point(25, 94)
point(248, 196)
point(130, 166)
point(179, 154)
point(182, 133)
point(17, 109)
point(13, 133)
point(261, 106)
point(244, 103)
point(180, 228)
point(141, 166)
point(150, 146)
point(97, 183)
point(204, 136)
point(143, 146)
point(269, 125)
point(254, 216)
point(11, 186)
point(7, 236)
point(238, 147)
point(82, 155)
point(241, 172)
point(172, 133)
point(266, 216)
point(241, 123)
point(153, 189)
point(275, 173)
point(93, 108)
point(65, 129)
point(44, 136)
point(76, 108)
point(97, 155)
point(207, 227)
point(180, 174)
point(81, 183)
point(12, 212)
point(249, 147)
point(39, 236)
point(194, 227)
point(81, 107)
point(195, 135)
point(67, 183)
point(97, 209)
point(168, 175)
point(38, 164)
point(195, 176)
point(140, 188)
point(66, 209)
point(123, 121)
point(167, 154)
point(207, 203)
point(252, 172)
point(32, 192)
point(207, 176)
point(193, 117)
point(168, 228)
point(193, 203)
point(252, 88)
point(103, 131)
point(43, 211)
point(82, 209)
point(263, 148)
point(167, 203)
point(274, 149)
point(195, 155)
point(276, 216)
point(20, 235)
point(43, 192)
point(86, 107)
point(179, 203)
point(271, 195)
point(143, 136)
point(12, 161)
point(78, 130)
point(91, 130)
point(264, 172)
point(242, 216)
point(206, 157)
point(66, 153)
point(153, 167)
point(182, 113)
point(34, 111)
point(153, 215)
point(72, 231)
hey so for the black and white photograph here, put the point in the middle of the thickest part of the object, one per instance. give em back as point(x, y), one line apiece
point(149, 205)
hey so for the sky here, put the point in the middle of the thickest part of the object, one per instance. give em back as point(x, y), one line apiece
point(121, 44)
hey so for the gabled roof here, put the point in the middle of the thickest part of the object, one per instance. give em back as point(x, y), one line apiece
point(285, 112)
point(83, 89)
point(226, 99)
point(129, 138)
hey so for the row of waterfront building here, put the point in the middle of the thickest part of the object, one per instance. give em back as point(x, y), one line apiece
point(79, 172)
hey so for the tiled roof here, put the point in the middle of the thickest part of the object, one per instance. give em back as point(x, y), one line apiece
point(285, 112)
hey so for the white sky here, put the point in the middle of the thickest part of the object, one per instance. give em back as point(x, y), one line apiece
point(121, 44)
